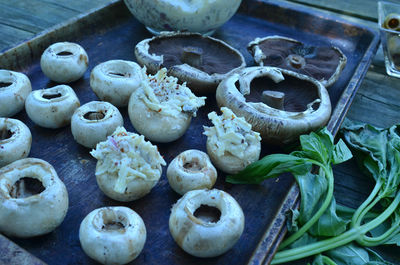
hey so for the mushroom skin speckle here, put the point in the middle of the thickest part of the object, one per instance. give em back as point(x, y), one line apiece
point(128, 167)
point(112, 235)
point(15, 140)
point(276, 126)
point(189, 59)
point(161, 109)
point(191, 170)
point(52, 107)
point(231, 143)
point(201, 237)
point(64, 62)
point(92, 122)
point(33, 200)
point(14, 88)
point(115, 80)
point(322, 63)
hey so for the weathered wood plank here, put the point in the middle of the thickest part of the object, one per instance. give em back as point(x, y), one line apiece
point(11, 36)
point(79, 6)
point(365, 9)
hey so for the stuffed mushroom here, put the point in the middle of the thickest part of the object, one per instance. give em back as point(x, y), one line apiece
point(231, 143)
point(161, 109)
point(203, 62)
point(128, 167)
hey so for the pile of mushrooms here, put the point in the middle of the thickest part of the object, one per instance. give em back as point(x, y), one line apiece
point(203, 62)
point(278, 103)
point(322, 63)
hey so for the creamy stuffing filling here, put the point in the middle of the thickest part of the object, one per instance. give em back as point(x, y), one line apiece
point(163, 94)
point(128, 156)
point(230, 134)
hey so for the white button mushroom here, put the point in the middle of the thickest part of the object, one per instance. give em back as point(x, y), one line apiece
point(128, 167)
point(14, 88)
point(94, 121)
point(206, 223)
point(191, 170)
point(64, 62)
point(15, 140)
point(33, 200)
point(112, 235)
point(52, 107)
point(231, 144)
point(161, 109)
point(115, 80)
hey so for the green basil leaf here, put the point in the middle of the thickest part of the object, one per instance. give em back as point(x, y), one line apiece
point(269, 167)
point(315, 148)
point(341, 153)
point(376, 259)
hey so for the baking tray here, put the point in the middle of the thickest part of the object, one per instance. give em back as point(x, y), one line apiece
point(110, 32)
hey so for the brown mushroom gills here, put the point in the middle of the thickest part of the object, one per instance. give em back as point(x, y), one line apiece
point(318, 62)
point(207, 213)
point(210, 56)
point(94, 115)
point(113, 221)
point(50, 96)
point(5, 84)
point(5, 134)
point(291, 94)
point(64, 53)
point(26, 187)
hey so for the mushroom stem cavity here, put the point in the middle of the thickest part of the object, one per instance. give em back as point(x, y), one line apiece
point(118, 74)
point(64, 53)
point(26, 187)
point(192, 56)
point(193, 165)
point(50, 96)
point(5, 134)
point(274, 99)
point(296, 61)
point(94, 115)
point(208, 214)
point(111, 220)
point(5, 84)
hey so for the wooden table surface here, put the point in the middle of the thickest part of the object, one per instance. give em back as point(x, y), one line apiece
point(377, 101)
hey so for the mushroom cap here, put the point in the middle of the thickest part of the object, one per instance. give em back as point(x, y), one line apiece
point(94, 121)
point(115, 80)
point(306, 106)
point(203, 238)
point(203, 62)
point(322, 63)
point(191, 170)
point(15, 140)
point(64, 62)
point(28, 208)
point(112, 235)
point(14, 88)
point(52, 107)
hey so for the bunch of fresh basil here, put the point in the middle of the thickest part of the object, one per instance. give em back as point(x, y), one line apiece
point(336, 234)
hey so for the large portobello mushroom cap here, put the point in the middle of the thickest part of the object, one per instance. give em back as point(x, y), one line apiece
point(278, 103)
point(201, 61)
point(322, 63)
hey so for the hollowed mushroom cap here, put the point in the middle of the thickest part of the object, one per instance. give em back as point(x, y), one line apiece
point(92, 122)
point(52, 107)
point(14, 88)
point(203, 62)
point(33, 200)
point(15, 140)
point(112, 235)
point(322, 63)
point(206, 235)
point(278, 103)
point(191, 170)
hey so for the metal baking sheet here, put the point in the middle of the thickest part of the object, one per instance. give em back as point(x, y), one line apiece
point(111, 32)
